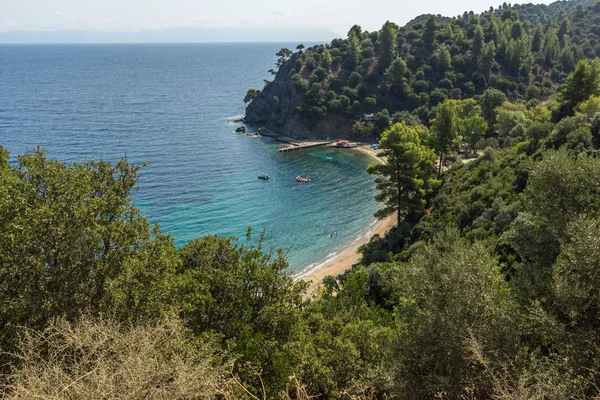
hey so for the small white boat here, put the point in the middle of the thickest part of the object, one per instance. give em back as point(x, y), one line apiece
point(263, 176)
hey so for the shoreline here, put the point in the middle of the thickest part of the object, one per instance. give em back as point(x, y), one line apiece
point(349, 255)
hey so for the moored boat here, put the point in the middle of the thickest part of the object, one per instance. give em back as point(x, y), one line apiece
point(263, 176)
point(303, 179)
point(344, 144)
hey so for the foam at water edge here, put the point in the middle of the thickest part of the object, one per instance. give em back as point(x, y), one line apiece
point(235, 118)
point(316, 266)
point(306, 272)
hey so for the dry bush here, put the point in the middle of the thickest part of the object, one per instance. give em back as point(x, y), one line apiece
point(535, 377)
point(99, 359)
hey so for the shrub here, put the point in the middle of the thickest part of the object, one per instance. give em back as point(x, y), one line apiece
point(98, 359)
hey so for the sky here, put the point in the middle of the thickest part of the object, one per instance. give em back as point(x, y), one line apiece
point(139, 15)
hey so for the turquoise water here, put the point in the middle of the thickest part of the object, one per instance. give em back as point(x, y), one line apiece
point(169, 106)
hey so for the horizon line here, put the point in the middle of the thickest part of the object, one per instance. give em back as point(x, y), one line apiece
point(211, 42)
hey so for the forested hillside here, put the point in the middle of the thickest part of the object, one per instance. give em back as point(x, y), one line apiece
point(525, 51)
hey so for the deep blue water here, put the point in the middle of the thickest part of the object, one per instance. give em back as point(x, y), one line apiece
point(168, 106)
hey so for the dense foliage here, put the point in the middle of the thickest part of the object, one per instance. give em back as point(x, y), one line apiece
point(525, 51)
point(486, 289)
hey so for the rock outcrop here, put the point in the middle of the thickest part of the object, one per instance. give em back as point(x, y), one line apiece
point(275, 107)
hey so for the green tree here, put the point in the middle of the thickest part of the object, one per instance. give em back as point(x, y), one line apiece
point(444, 128)
point(487, 61)
point(538, 37)
point(326, 60)
point(353, 57)
point(590, 107)
point(516, 30)
point(567, 58)
point(507, 120)
point(245, 295)
point(357, 31)
point(560, 189)
point(251, 95)
point(478, 41)
point(551, 47)
point(370, 104)
point(395, 76)
point(443, 59)
point(563, 32)
point(576, 277)
point(473, 129)
point(450, 288)
point(387, 44)
point(579, 183)
point(579, 86)
point(489, 102)
point(429, 33)
point(284, 54)
point(405, 178)
point(514, 56)
point(363, 130)
point(71, 241)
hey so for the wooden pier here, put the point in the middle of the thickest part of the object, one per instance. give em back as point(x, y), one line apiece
point(303, 145)
point(294, 144)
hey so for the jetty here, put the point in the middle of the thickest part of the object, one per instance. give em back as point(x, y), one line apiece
point(303, 145)
point(294, 144)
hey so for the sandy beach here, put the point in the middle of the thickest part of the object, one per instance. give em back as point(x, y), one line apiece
point(350, 256)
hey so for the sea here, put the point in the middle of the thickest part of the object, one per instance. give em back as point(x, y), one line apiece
point(172, 107)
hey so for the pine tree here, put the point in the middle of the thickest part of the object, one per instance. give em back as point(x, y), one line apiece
point(567, 58)
point(516, 31)
point(487, 60)
point(563, 32)
point(395, 76)
point(478, 41)
point(353, 50)
point(443, 59)
point(551, 48)
point(429, 33)
point(445, 131)
point(403, 181)
point(580, 85)
point(538, 36)
point(387, 44)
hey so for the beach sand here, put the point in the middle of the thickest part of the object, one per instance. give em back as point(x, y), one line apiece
point(346, 259)
point(350, 256)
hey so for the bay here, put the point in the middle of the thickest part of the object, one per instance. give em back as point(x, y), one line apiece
point(169, 105)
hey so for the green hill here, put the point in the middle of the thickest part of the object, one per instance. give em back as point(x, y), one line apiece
point(403, 73)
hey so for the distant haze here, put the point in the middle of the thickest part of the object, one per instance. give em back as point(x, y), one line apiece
point(110, 21)
point(174, 35)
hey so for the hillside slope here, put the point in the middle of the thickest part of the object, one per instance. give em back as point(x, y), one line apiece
point(403, 73)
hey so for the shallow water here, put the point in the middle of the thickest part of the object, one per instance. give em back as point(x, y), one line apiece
point(168, 105)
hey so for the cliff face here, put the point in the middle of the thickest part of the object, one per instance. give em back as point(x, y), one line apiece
point(275, 108)
point(278, 100)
